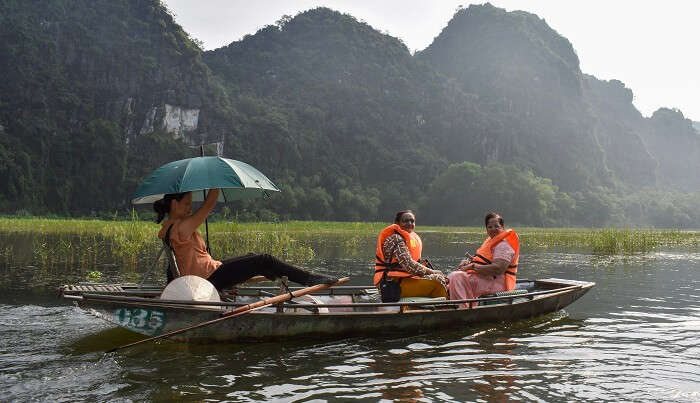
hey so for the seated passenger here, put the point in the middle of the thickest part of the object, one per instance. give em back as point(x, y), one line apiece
point(494, 267)
point(398, 258)
point(193, 258)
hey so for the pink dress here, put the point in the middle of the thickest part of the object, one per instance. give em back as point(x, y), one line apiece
point(465, 285)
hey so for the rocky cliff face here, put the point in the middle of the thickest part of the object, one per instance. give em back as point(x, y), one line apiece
point(507, 59)
point(620, 128)
point(527, 77)
point(675, 144)
point(72, 64)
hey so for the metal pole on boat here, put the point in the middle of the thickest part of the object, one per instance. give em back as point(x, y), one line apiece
point(204, 197)
point(241, 311)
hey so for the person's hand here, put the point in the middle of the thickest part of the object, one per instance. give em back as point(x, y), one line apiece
point(469, 256)
point(437, 272)
point(468, 267)
point(427, 263)
point(463, 265)
point(441, 275)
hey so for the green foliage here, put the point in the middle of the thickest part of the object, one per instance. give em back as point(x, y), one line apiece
point(87, 244)
point(94, 276)
point(342, 117)
point(79, 79)
point(85, 247)
point(615, 241)
point(466, 191)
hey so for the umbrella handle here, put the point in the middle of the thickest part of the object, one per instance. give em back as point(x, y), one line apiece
point(204, 194)
point(206, 224)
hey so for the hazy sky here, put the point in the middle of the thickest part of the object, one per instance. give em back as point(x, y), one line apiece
point(651, 46)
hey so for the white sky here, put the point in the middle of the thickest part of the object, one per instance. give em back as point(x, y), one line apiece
point(651, 46)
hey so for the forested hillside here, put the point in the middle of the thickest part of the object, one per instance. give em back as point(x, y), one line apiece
point(494, 114)
point(330, 103)
point(84, 92)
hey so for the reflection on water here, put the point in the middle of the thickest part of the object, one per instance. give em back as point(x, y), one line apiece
point(634, 337)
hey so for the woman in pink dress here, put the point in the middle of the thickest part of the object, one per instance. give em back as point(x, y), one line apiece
point(494, 266)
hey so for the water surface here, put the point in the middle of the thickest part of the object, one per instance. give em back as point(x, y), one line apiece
point(634, 337)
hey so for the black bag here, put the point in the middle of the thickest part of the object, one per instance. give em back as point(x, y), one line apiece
point(389, 289)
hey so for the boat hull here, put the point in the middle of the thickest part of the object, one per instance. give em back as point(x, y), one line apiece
point(154, 317)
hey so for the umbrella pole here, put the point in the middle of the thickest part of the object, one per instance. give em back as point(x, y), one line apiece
point(204, 194)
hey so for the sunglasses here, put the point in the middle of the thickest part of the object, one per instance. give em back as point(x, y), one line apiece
point(411, 220)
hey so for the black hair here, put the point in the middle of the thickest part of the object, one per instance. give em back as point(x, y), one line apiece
point(493, 215)
point(401, 213)
point(162, 206)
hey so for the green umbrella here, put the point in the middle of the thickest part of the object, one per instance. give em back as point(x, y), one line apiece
point(236, 179)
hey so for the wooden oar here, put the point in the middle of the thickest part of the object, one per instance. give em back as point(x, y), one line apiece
point(240, 311)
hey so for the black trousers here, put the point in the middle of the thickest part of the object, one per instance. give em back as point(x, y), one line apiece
point(241, 268)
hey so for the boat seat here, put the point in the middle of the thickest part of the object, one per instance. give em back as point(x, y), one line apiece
point(173, 270)
point(426, 303)
point(421, 299)
point(501, 294)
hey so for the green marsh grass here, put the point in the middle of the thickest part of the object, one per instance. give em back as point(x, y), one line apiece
point(84, 245)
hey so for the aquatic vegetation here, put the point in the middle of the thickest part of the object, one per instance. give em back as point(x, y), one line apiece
point(279, 244)
point(614, 241)
point(609, 241)
point(7, 255)
point(84, 246)
point(94, 276)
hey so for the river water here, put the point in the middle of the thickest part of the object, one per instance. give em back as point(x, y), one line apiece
point(634, 337)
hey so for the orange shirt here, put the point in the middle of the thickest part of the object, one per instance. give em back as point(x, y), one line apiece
point(191, 254)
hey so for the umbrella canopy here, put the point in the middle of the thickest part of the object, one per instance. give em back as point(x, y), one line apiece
point(236, 179)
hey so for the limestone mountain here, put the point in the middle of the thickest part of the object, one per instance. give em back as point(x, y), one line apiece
point(528, 76)
point(94, 94)
point(327, 99)
point(675, 144)
point(494, 114)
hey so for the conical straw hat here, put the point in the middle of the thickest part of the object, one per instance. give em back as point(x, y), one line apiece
point(190, 288)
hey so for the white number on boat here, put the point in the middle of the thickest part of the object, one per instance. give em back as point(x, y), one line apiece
point(143, 321)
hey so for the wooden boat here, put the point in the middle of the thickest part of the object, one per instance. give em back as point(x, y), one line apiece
point(337, 312)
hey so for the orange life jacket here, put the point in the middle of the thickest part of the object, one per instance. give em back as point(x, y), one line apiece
point(484, 255)
point(393, 268)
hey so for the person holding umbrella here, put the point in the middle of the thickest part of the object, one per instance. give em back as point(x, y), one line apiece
point(194, 259)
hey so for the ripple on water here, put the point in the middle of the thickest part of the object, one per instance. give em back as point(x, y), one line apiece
point(634, 337)
point(35, 364)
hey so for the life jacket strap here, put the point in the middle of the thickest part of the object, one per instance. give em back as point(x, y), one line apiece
point(512, 273)
point(483, 258)
point(382, 263)
point(388, 269)
point(389, 265)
